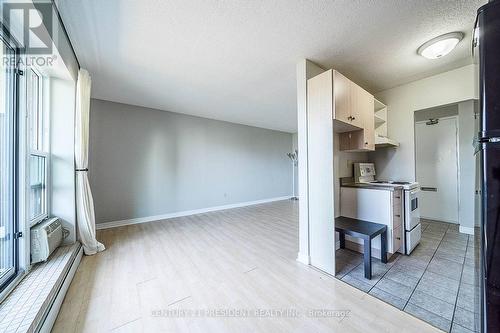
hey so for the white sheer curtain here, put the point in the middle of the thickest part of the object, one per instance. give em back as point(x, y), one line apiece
point(84, 201)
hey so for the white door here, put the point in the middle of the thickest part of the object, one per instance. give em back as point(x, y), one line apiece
point(437, 169)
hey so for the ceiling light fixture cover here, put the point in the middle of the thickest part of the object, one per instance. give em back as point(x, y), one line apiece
point(440, 46)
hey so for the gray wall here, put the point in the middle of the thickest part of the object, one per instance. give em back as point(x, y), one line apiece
point(145, 162)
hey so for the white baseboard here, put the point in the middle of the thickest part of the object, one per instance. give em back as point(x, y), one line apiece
point(114, 224)
point(303, 258)
point(466, 230)
point(440, 220)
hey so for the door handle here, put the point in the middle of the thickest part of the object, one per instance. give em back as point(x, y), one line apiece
point(429, 189)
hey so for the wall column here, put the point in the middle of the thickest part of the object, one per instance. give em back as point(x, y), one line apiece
point(305, 70)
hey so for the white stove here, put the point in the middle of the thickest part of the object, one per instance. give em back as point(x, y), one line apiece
point(365, 173)
point(405, 185)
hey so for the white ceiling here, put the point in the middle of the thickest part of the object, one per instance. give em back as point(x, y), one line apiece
point(235, 60)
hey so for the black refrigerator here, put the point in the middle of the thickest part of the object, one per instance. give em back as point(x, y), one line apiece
point(487, 35)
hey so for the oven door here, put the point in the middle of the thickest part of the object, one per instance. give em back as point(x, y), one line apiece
point(412, 210)
point(412, 238)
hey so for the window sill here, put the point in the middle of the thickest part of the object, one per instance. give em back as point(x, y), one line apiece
point(25, 308)
point(11, 286)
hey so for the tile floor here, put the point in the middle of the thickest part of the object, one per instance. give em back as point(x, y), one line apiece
point(435, 283)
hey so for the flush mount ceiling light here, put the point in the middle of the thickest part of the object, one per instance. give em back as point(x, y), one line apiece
point(440, 46)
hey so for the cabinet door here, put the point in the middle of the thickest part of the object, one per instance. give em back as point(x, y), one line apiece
point(342, 89)
point(366, 103)
point(357, 104)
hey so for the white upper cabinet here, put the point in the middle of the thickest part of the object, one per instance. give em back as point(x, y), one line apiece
point(352, 110)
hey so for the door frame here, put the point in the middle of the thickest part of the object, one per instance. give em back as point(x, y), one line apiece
point(457, 131)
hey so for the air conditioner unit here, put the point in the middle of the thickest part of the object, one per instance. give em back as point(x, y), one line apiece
point(45, 238)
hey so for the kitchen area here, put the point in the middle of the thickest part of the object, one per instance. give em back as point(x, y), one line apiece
point(426, 264)
point(424, 256)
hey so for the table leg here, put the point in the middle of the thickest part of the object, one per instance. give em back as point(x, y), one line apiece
point(368, 258)
point(342, 240)
point(383, 247)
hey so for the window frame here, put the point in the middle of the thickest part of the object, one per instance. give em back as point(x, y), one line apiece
point(45, 200)
point(43, 136)
point(7, 281)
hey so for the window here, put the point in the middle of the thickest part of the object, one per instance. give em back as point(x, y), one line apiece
point(38, 159)
point(38, 188)
point(8, 217)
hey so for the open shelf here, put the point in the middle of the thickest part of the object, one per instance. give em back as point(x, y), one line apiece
point(380, 113)
point(379, 120)
point(385, 142)
point(379, 105)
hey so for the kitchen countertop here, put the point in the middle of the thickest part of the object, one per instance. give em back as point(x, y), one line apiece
point(373, 187)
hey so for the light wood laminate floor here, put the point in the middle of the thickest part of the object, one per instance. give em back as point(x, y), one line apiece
point(230, 271)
